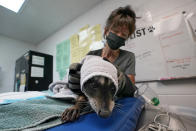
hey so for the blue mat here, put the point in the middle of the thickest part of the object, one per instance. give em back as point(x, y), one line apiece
point(124, 119)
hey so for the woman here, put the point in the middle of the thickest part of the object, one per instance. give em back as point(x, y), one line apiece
point(119, 27)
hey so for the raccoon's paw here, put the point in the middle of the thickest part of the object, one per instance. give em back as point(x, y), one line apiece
point(70, 114)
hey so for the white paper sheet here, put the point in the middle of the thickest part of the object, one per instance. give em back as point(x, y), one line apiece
point(38, 60)
point(37, 71)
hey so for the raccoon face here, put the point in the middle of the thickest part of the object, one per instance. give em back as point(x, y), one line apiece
point(100, 92)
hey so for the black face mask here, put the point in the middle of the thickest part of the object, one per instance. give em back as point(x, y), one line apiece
point(115, 41)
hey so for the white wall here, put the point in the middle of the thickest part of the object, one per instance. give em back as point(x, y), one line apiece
point(10, 51)
point(180, 92)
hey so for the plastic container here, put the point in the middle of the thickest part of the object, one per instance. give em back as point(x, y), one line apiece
point(148, 95)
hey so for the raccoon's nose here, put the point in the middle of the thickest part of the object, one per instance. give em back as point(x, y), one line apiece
point(104, 113)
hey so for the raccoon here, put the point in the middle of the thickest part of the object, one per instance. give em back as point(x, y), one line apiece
point(98, 94)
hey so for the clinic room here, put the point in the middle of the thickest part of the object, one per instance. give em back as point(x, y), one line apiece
point(97, 65)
